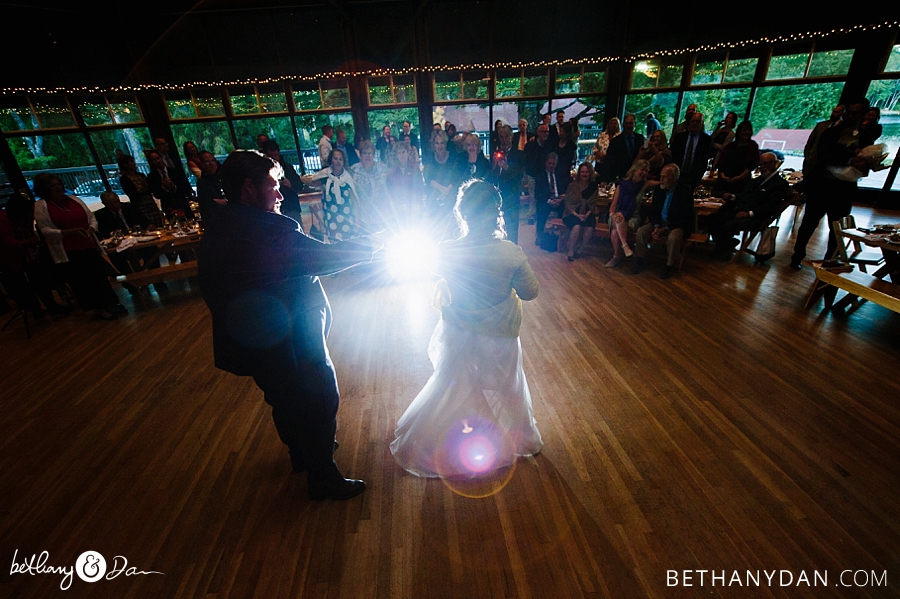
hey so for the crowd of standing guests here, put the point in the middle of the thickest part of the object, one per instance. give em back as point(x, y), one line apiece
point(402, 181)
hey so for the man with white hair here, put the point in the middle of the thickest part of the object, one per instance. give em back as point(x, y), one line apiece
point(671, 220)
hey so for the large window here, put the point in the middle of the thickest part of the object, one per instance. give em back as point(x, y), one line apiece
point(212, 136)
point(313, 95)
point(66, 153)
point(460, 85)
point(397, 89)
point(885, 95)
point(187, 104)
point(110, 109)
point(309, 130)
point(393, 118)
point(520, 83)
point(657, 72)
point(109, 143)
point(790, 64)
point(578, 80)
point(661, 105)
point(784, 115)
point(253, 99)
point(722, 67)
point(716, 103)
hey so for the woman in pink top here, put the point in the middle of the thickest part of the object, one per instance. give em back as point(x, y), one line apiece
point(70, 228)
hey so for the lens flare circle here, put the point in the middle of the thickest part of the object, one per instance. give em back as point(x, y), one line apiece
point(475, 458)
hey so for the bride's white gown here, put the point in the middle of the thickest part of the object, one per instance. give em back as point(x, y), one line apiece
point(474, 414)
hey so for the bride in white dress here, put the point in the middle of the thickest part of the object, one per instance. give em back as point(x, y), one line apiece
point(474, 414)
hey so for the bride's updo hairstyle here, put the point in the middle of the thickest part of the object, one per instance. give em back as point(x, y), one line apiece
point(477, 210)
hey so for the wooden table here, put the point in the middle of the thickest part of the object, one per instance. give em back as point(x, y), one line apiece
point(164, 243)
point(890, 251)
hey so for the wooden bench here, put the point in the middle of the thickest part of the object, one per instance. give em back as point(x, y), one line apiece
point(857, 284)
point(158, 275)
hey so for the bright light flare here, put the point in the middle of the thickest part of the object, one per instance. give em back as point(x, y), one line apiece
point(410, 255)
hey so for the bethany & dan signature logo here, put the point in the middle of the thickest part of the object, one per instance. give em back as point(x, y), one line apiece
point(89, 567)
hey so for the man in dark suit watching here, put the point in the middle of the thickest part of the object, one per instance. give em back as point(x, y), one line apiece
point(671, 220)
point(547, 195)
point(172, 192)
point(408, 135)
point(751, 209)
point(118, 216)
point(536, 151)
point(690, 151)
point(624, 148)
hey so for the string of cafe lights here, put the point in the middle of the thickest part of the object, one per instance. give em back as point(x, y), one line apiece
point(385, 72)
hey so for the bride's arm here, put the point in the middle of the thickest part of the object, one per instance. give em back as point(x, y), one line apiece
point(524, 281)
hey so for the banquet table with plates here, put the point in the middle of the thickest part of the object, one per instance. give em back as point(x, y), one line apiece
point(161, 242)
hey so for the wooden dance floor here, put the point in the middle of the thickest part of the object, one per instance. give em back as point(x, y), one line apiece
point(706, 423)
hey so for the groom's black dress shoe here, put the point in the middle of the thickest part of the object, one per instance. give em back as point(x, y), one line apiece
point(339, 489)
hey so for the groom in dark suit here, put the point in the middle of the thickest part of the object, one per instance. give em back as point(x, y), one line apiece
point(270, 316)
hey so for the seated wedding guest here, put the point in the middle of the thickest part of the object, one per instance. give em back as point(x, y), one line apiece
point(346, 147)
point(371, 181)
point(723, 134)
point(737, 161)
point(25, 275)
point(290, 185)
point(70, 229)
point(473, 164)
point(656, 153)
point(580, 211)
point(340, 201)
point(671, 220)
point(601, 147)
point(749, 210)
point(385, 143)
point(547, 196)
point(624, 212)
point(137, 188)
point(261, 139)
point(118, 216)
point(405, 188)
point(192, 157)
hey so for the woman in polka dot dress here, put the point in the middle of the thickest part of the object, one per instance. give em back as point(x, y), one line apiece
point(339, 200)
